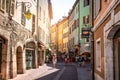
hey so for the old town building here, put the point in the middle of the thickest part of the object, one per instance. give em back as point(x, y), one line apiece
point(54, 38)
point(60, 35)
point(84, 26)
point(106, 39)
point(19, 42)
point(74, 29)
point(65, 35)
point(44, 23)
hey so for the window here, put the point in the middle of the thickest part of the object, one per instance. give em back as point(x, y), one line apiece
point(105, 0)
point(86, 3)
point(44, 16)
point(75, 24)
point(12, 6)
point(33, 24)
point(98, 54)
point(2, 5)
point(40, 14)
point(23, 20)
point(97, 7)
point(86, 19)
point(7, 6)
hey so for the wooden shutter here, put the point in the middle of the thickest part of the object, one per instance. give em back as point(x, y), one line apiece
point(87, 19)
point(33, 24)
point(84, 3)
point(23, 20)
point(84, 22)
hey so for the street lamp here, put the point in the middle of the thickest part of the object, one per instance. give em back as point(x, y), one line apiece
point(26, 13)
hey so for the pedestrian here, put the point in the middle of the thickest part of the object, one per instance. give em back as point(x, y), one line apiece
point(79, 60)
point(83, 61)
point(54, 60)
point(65, 60)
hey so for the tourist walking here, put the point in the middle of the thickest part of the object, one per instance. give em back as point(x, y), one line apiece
point(54, 60)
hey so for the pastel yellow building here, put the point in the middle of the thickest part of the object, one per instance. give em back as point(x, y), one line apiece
point(63, 35)
point(53, 38)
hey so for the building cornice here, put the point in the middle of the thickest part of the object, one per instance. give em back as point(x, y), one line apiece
point(108, 11)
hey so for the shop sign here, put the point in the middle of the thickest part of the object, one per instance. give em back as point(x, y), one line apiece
point(85, 32)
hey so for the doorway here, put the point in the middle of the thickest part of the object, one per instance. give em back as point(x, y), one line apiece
point(30, 55)
point(19, 59)
point(117, 55)
point(0, 55)
point(29, 59)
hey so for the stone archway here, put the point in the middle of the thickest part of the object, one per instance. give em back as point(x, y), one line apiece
point(19, 60)
point(116, 45)
point(3, 57)
point(30, 55)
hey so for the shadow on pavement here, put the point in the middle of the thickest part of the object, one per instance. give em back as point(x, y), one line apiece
point(51, 73)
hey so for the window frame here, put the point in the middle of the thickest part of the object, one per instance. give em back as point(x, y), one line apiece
point(7, 6)
point(3, 7)
point(12, 5)
point(98, 54)
point(86, 3)
point(97, 7)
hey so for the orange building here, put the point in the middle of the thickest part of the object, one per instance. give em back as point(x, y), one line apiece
point(63, 35)
point(54, 38)
point(106, 39)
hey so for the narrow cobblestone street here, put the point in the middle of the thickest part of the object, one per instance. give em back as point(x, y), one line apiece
point(59, 39)
point(70, 71)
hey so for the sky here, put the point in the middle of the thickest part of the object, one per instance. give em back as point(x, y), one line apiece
point(61, 8)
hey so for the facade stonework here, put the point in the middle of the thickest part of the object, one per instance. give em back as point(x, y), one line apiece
point(20, 48)
point(107, 28)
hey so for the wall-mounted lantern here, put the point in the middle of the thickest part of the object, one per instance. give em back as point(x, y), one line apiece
point(26, 13)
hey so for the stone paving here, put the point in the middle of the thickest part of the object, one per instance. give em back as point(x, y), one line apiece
point(84, 73)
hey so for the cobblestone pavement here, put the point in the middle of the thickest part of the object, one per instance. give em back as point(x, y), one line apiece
point(63, 71)
point(51, 73)
point(70, 73)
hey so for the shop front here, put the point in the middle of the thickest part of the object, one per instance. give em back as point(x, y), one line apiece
point(30, 55)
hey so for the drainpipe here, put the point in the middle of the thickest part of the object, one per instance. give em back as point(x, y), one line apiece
point(37, 21)
point(92, 41)
point(79, 24)
point(37, 32)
